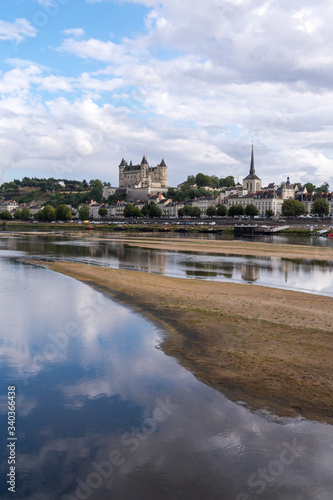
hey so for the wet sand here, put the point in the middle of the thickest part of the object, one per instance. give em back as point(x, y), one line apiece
point(231, 247)
point(267, 347)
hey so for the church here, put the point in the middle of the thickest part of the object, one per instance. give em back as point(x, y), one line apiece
point(252, 183)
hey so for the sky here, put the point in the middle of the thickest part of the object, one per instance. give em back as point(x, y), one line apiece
point(85, 83)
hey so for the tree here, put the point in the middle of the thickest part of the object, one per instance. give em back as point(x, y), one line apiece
point(227, 181)
point(221, 210)
point(323, 188)
point(269, 213)
point(236, 210)
point(190, 180)
point(251, 210)
point(211, 211)
point(6, 215)
point(84, 212)
point(292, 208)
point(320, 207)
point(96, 184)
point(195, 212)
point(102, 211)
point(215, 182)
point(200, 179)
point(310, 187)
point(25, 214)
point(131, 211)
point(136, 212)
point(46, 214)
point(62, 212)
point(154, 210)
point(18, 213)
point(145, 210)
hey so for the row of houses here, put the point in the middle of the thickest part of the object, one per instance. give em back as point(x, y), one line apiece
point(264, 200)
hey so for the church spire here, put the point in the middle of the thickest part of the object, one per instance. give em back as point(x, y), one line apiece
point(252, 171)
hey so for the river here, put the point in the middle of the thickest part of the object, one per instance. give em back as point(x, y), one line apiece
point(102, 413)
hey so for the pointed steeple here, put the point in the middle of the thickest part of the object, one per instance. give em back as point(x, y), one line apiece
point(162, 164)
point(144, 161)
point(252, 170)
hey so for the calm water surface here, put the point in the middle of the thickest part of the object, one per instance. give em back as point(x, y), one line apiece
point(306, 276)
point(103, 414)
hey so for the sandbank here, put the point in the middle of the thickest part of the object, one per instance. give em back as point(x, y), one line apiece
point(267, 347)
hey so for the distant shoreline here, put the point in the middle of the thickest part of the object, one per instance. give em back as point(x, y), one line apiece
point(270, 348)
point(222, 226)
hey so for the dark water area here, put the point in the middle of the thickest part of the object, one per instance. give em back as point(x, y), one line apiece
point(102, 413)
point(302, 275)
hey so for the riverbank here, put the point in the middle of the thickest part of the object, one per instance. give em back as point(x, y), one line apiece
point(232, 247)
point(225, 226)
point(270, 348)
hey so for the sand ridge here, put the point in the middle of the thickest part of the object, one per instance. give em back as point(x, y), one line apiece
point(268, 347)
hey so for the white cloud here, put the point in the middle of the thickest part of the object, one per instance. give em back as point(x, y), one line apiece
point(17, 31)
point(75, 32)
point(198, 86)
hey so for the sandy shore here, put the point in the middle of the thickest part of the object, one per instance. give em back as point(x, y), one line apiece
point(233, 247)
point(270, 348)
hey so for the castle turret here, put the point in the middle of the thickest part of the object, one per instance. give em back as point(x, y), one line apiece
point(163, 169)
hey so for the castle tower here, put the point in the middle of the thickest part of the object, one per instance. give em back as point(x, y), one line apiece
point(144, 172)
point(121, 167)
point(163, 169)
point(252, 182)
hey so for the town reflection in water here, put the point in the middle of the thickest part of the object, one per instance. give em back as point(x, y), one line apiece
point(309, 276)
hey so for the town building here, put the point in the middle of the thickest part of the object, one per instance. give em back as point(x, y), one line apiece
point(269, 198)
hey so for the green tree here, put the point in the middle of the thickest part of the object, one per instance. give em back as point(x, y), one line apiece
point(195, 212)
point(190, 180)
point(6, 215)
point(323, 188)
point(62, 212)
point(236, 210)
point(320, 207)
point(292, 208)
point(310, 187)
point(25, 214)
point(200, 179)
point(154, 210)
point(186, 210)
point(269, 213)
point(211, 211)
point(136, 212)
point(227, 181)
point(215, 181)
point(46, 214)
point(145, 210)
point(102, 211)
point(132, 211)
point(251, 210)
point(18, 213)
point(96, 184)
point(222, 210)
point(128, 210)
point(84, 212)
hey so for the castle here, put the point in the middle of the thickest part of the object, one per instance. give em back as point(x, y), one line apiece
point(142, 176)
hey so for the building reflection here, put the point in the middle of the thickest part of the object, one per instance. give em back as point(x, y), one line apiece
point(250, 272)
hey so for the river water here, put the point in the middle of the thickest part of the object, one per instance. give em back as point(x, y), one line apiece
point(301, 275)
point(102, 413)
